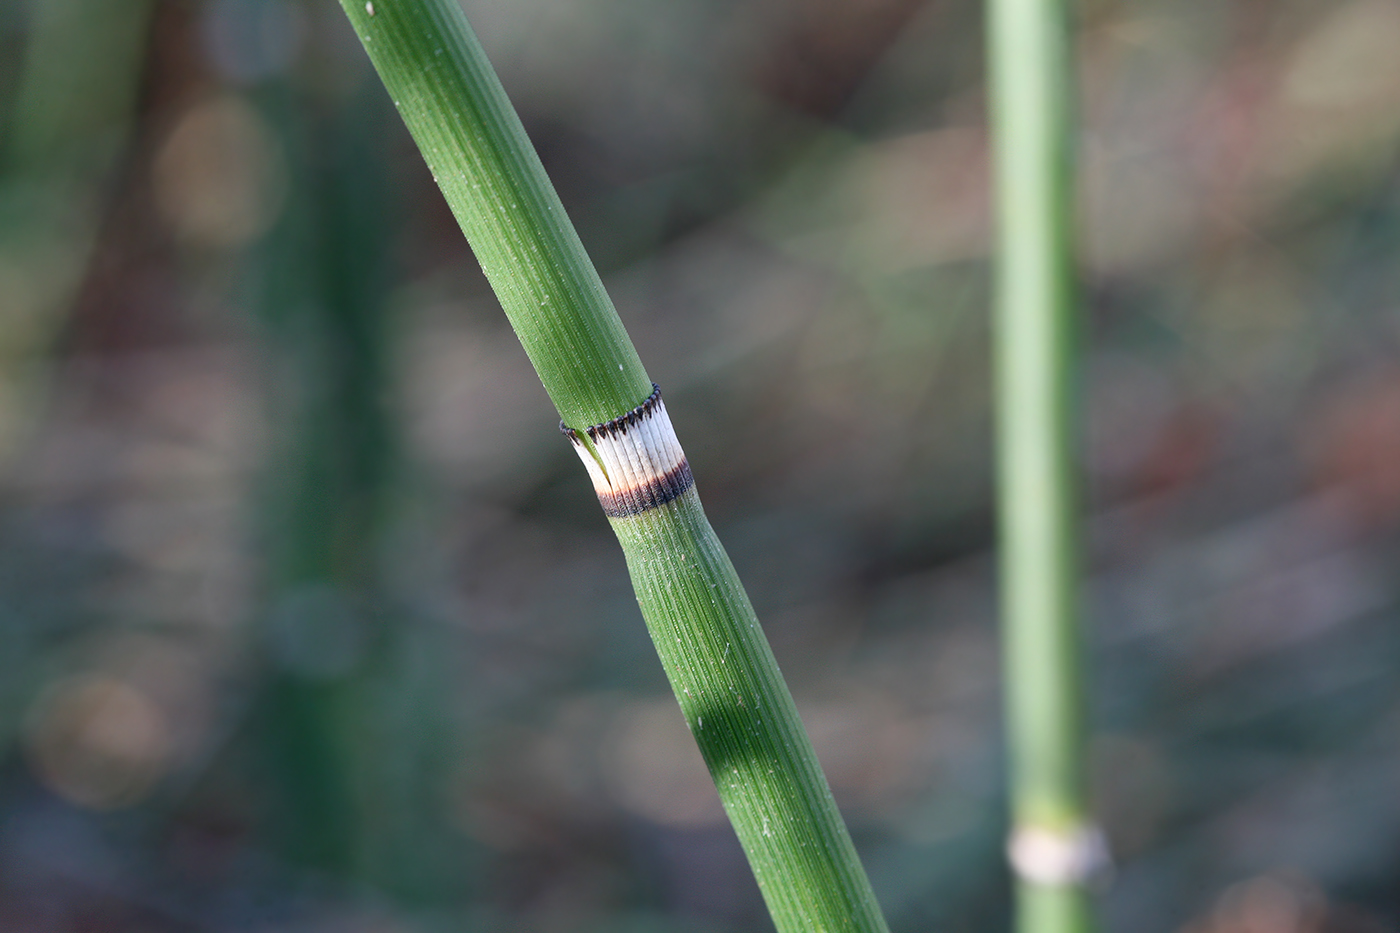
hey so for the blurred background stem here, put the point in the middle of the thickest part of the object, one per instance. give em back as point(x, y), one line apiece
point(325, 286)
point(62, 142)
point(348, 768)
point(1036, 379)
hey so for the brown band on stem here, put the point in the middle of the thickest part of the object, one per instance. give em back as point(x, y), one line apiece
point(634, 500)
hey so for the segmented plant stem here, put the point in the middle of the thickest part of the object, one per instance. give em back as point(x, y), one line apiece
point(472, 139)
point(744, 720)
point(1053, 842)
point(702, 623)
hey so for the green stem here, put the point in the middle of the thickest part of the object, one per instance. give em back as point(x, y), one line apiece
point(471, 138)
point(702, 623)
point(743, 718)
point(1035, 342)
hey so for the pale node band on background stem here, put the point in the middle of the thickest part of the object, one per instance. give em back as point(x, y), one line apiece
point(1070, 856)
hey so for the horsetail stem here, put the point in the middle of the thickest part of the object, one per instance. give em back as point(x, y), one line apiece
point(1054, 847)
point(704, 628)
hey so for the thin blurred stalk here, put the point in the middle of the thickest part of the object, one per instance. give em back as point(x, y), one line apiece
point(1053, 846)
point(71, 120)
point(343, 734)
point(82, 63)
point(323, 288)
point(720, 666)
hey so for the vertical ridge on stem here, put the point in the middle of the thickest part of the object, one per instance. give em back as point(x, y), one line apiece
point(709, 641)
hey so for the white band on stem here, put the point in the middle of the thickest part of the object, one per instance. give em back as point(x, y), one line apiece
point(639, 463)
point(1058, 857)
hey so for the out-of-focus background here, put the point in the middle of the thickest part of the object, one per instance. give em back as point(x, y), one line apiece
point(309, 619)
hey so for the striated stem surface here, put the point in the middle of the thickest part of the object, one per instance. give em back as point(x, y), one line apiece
point(719, 663)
